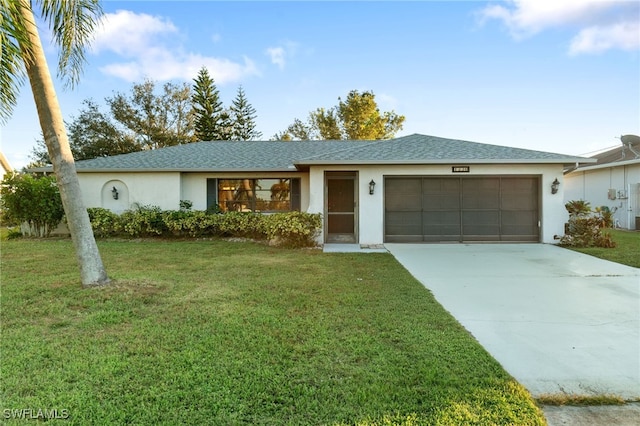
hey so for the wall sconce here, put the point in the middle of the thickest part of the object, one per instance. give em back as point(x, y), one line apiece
point(372, 186)
point(114, 192)
point(554, 186)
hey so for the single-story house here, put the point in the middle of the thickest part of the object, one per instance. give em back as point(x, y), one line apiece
point(612, 181)
point(415, 188)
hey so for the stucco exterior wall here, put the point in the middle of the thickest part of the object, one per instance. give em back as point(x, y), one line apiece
point(157, 189)
point(371, 207)
point(167, 189)
point(164, 190)
point(594, 185)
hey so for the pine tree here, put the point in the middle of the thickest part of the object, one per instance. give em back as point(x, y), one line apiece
point(243, 117)
point(210, 118)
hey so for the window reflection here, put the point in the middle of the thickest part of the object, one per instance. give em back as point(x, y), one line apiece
point(257, 195)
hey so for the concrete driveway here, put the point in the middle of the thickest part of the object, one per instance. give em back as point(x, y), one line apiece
point(557, 321)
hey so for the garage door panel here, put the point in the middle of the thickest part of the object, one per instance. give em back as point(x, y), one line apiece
point(441, 225)
point(463, 209)
point(403, 194)
point(481, 193)
point(435, 202)
point(519, 194)
point(440, 194)
point(518, 202)
point(403, 223)
point(523, 223)
point(480, 223)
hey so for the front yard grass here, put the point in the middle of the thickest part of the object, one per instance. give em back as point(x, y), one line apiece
point(626, 252)
point(213, 332)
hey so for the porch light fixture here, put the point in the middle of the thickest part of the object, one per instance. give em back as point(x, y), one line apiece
point(372, 185)
point(554, 186)
point(114, 192)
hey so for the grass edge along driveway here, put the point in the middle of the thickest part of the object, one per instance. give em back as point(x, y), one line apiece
point(212, 332)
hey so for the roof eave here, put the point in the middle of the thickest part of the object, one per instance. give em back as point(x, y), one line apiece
point(564, 161)
point(605, 165)
point(184, 170)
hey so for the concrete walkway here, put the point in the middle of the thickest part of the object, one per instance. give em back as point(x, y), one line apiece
point(353, 248)
point(558, 321)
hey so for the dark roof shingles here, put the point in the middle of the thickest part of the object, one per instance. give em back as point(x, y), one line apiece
point(279, 155)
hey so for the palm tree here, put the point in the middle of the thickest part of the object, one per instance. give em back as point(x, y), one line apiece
point(71, 22)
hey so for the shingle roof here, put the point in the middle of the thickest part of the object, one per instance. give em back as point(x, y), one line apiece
point(422, 149)
point(281, 156)
point(216, 155)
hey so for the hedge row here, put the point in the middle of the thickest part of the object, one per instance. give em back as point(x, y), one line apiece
point(291, 229)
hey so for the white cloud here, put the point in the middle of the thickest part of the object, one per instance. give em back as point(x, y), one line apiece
point(280, 54)
point(277, 56)
point(600, 24)
point(625, 35)
point(149, 48)
point(127, 33)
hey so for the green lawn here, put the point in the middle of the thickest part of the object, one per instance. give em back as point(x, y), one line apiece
point(220, 333)
point(627, 250)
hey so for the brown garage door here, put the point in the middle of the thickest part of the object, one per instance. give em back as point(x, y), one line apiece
point(433, 209)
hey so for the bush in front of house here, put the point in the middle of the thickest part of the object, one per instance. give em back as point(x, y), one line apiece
point(104, 222)
point(144, 221)
point(241, 225)
point(293, 229)
point(31, 202)
point(181, 223)
point(586, 227)
point(290, 229)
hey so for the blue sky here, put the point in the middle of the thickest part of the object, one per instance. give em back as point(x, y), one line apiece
point(559, 76)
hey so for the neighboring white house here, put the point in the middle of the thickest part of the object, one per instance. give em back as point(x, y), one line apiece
point(415, 188)
point(5, 167)
point(613, 181)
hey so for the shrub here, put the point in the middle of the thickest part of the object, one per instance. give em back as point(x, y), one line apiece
point(193, 224)
point(293, 229)
point(104, 222)
point(585, 229)
point(143, 221)
point(290, 229)
point(185, 205)
point(32, 202)
point(605, 214)
point(241, 224)
point(578, 208)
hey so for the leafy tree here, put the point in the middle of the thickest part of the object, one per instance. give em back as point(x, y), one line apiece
point(355, 118)
point(33, 203)
point(91, 134)
point(212, 121)
point(22, 51)
point(155, 121)
point(243, 116)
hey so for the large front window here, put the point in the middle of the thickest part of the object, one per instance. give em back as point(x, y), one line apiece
point(258, 195)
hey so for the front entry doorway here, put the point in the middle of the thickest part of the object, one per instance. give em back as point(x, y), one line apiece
point(341, 219)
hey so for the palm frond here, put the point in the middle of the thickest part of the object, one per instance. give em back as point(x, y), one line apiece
point(13, 39)
point(72, 23)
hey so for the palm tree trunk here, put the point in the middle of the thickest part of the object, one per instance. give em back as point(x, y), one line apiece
point(92, 270)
